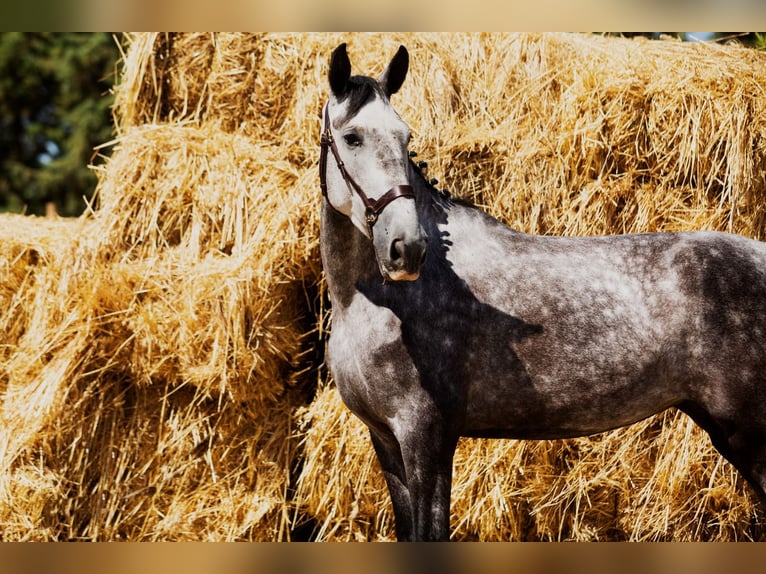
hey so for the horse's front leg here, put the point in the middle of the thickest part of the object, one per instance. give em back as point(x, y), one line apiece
point(427, 452)
point(390, 458)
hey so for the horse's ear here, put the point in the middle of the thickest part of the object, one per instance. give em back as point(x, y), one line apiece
point(393, 76)
point(340, 70)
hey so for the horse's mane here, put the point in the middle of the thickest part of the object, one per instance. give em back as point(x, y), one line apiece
point(444, 194)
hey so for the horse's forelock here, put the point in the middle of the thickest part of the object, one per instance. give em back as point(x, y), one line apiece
point(360, 91)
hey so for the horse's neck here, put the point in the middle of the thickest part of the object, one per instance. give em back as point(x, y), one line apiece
point(347, 255)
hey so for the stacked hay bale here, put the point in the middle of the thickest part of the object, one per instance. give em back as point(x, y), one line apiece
point(165, 407)
point(162, 355)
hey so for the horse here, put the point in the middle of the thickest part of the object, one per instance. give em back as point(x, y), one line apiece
point(448, 323)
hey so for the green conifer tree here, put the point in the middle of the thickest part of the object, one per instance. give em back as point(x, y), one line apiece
point(55, 107)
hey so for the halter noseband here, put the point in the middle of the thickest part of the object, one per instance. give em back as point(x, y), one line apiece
point(373, 207)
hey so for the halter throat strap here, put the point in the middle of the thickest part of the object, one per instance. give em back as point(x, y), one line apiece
point(373, 207)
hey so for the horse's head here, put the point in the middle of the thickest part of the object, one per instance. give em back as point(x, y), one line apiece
point(369, 141)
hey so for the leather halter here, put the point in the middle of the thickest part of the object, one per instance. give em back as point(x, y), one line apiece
point(373, 207)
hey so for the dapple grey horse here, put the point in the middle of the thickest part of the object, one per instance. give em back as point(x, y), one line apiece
point(447, 323)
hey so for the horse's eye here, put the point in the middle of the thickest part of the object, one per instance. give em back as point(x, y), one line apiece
point(352, 140)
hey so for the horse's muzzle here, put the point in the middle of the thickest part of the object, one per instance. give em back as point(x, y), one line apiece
point(405, 257)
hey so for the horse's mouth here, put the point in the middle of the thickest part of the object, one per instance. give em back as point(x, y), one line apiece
point(402, 275)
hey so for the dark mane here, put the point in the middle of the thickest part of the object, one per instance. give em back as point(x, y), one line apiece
point(359, 91)
point(444, 193)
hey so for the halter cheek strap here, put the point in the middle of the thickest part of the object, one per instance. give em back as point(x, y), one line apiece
point(373, 207)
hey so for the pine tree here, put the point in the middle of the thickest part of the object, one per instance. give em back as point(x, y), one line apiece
point(55, 107)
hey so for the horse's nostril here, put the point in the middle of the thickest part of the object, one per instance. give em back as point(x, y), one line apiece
point(397, 249)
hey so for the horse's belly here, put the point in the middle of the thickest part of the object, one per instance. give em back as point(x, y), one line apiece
point(574, 420)
point(567, 402)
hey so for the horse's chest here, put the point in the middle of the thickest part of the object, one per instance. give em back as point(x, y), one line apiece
point(367, 357)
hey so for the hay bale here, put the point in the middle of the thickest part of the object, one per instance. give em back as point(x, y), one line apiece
point(588, 135)
point(30, 244)
point(161, 353)
point(165, 410)
point(216, 251)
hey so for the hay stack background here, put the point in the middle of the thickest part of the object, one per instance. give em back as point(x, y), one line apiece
point(162, 355)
